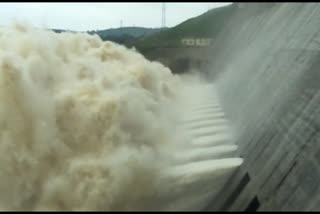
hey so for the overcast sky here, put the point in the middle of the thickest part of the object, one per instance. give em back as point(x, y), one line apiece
point(95, 16)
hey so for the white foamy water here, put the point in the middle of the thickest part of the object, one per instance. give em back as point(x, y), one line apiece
point(92, 125)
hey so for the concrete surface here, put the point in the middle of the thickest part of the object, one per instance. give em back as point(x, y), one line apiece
point(266, 67)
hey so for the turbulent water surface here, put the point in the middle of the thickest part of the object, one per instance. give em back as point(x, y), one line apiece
point(91, 125)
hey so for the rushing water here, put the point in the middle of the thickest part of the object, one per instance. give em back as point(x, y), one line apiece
point(91, 125)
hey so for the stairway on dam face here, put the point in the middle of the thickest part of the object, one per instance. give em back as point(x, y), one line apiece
point(208, 157)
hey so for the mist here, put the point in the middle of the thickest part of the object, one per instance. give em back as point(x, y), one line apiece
point(92, 125)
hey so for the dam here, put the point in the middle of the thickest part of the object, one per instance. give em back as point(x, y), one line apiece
point(266, 67)
point(227, 121)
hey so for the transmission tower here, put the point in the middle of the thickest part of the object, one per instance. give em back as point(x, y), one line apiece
point(163, 24)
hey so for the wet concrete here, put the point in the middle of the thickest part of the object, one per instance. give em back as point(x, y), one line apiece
point(266, 69)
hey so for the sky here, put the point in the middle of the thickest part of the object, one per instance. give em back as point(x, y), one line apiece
point(97, 16)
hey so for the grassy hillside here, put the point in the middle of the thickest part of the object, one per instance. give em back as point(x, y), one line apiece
point(134, 32)
point(205, 25)
point(124, 35)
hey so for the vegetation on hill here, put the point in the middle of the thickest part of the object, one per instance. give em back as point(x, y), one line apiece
point(124, 35)
point(205, 25)
point(134, 32)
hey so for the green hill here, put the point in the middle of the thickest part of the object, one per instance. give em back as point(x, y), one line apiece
point(205, 25)
point(123, 35)
point(134, 32)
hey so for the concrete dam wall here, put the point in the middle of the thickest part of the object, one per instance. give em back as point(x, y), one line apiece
point(266, 67)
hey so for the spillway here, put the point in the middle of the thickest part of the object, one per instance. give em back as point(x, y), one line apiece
point(201, 168)
point(91, 125)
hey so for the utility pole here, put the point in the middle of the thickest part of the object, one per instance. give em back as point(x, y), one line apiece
point(163, 24)
point(121, 24)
